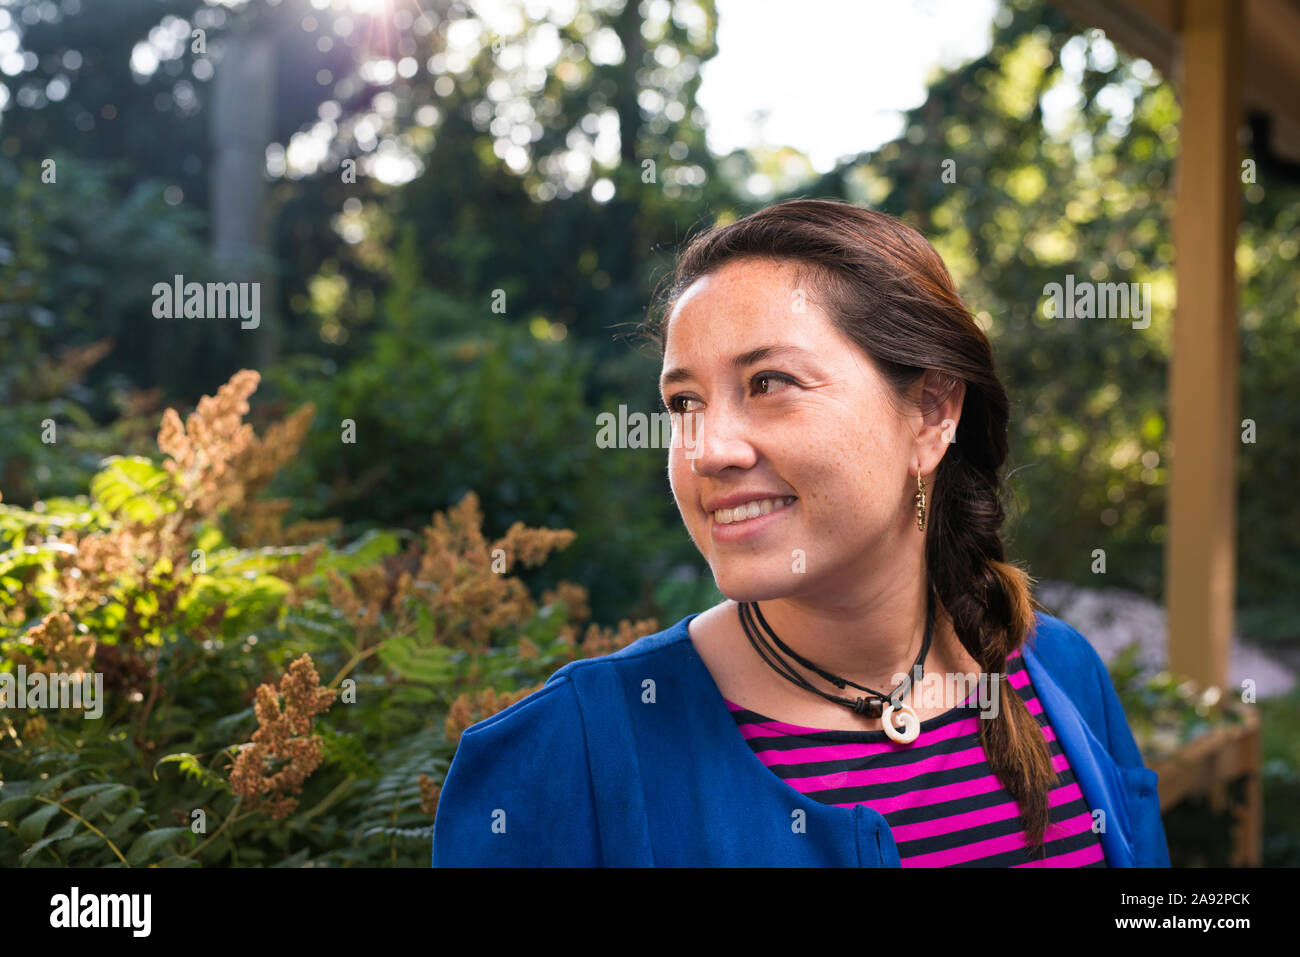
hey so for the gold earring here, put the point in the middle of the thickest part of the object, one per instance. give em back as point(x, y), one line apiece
point(920, 503)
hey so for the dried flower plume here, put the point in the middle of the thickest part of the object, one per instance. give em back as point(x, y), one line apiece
point(283, 741)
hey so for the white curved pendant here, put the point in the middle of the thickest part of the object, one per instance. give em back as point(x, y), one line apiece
point(911, 723)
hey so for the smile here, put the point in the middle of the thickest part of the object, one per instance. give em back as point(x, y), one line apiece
point(751, 510)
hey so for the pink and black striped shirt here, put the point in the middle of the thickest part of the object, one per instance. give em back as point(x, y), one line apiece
point(939, 796)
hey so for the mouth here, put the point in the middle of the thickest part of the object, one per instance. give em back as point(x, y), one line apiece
point(751, 510)
point(736, 525)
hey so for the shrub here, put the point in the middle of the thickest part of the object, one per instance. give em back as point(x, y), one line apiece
point(269, 695)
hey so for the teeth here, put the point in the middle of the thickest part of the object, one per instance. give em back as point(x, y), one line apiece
point(726, 516)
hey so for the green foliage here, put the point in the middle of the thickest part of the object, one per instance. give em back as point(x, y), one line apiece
point(78, 258)
point(1166, 713)
point(59, 809)
point(193, 769)
point(126, 487)
point(150, 782)
point(450, 397)
point(1029, 205)
point(388, 813)
point(1279, 721)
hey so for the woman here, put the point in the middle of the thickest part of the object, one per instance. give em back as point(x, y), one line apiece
point(880, 688)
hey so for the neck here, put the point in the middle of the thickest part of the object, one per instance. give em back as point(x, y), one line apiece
point(871, 637)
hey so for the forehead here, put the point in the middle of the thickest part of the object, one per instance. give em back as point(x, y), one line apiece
point(745, 299)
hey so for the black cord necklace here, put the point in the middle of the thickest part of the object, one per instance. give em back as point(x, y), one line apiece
point(875, 704)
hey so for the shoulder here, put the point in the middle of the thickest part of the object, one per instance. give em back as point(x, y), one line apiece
point(1064, 651)
point(519, 790)
point(558, 699)
point(662, 645)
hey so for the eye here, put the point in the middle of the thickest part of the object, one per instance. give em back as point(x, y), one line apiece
point(672, 404)
point(772, 376)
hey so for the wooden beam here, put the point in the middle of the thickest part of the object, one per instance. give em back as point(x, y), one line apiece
point(1151, 29)
point(1144, 29)
point(1205, 425)
point(1272, 70)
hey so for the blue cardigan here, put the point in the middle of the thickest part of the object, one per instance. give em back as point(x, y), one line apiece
point(634, 760)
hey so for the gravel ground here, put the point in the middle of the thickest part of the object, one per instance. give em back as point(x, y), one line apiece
point(1111, 618)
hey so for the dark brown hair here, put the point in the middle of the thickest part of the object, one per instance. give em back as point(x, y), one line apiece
point(886, 288)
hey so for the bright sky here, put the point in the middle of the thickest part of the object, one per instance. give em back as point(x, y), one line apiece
point(826, 77)
point(831, 75)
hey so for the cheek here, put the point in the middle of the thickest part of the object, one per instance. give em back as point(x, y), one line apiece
point(842, 483)
point(679, 480)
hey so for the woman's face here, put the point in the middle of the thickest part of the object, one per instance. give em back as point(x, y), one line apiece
point(809, 420)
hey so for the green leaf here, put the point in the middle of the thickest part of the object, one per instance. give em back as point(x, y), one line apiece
point(28, 556)
point(294, 860)
point(314, 624)
point(425, 664)
point(132, 486)
point(123, 823)
point(18, 795)
point(106, 797)
point(347, 752)
point(366, 550)
point(190, 766)
point(152, 841)
point(61, 834)
point(209, 538)
point(412, 695)
point(80, 842)
point(33, 825)
point(88, 789)
point(238, 591)
point(426, 629)
point(50, 783)
point(222, 728)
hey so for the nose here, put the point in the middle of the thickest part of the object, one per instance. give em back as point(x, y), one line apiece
point(716, 440)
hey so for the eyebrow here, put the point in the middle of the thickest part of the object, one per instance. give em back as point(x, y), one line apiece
point(681, 373)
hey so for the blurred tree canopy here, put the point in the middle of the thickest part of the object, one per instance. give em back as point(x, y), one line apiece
point(552, 168)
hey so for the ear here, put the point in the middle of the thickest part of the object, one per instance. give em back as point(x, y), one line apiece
point(935, 425)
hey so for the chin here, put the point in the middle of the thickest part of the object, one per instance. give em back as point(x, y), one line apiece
point(740, 587)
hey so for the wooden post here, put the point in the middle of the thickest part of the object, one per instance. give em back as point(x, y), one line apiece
point(243, 101)
point(1200, 555)
point(1248, 834)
